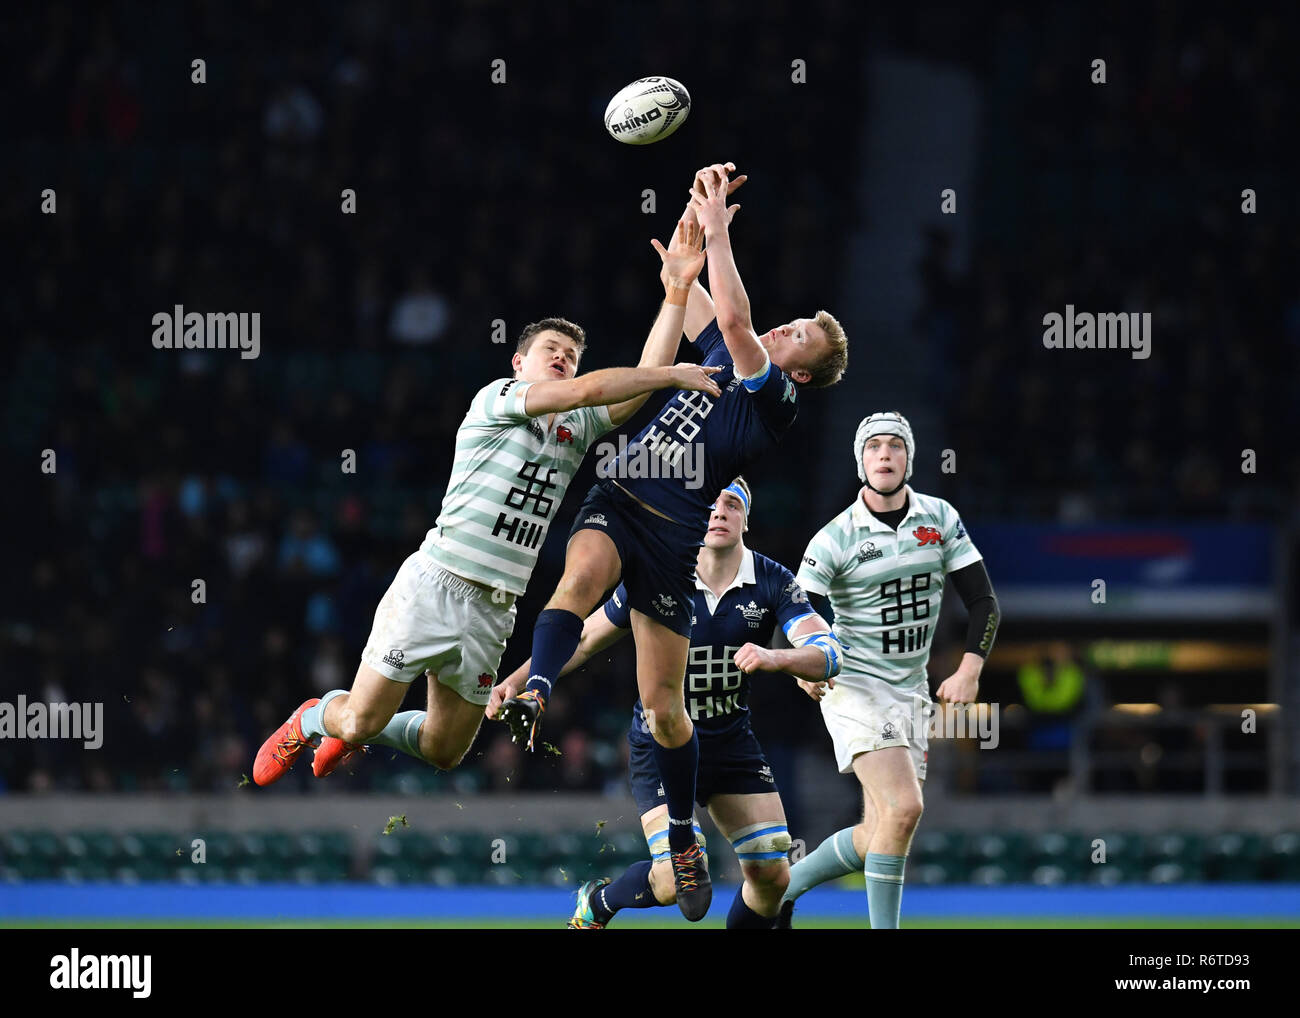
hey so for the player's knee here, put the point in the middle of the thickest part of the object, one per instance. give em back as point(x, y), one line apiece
point(671, 726)
point(904, 814)
point(767, 878)
point(442, 758)
point(581, 586)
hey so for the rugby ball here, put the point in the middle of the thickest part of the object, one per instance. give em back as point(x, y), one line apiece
point(648, 110)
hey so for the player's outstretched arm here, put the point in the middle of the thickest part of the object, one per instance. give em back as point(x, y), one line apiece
point(814, 656)
point(681, 264)
point(699, 306)
point(729, 297)
point(597, 634)
point(614, 385)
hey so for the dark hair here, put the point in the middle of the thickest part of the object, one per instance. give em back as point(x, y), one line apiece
point(560, 325)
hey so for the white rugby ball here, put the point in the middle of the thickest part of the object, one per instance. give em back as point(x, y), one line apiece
point(648, 110)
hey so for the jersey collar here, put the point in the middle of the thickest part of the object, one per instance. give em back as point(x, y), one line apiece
point(745, 574)
point(863, 517)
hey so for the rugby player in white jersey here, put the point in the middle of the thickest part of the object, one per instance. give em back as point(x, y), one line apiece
point(882, 564)
point(451, 607)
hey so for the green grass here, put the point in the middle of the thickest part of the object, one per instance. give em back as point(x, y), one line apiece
point(665, 923)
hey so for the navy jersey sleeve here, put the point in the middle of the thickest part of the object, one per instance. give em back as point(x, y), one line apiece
point(777, 400)
point(786, 596)
point(709, 339)
point(617, 610)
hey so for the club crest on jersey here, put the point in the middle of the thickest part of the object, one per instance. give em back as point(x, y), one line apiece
point(600, 521)
point(788, 395)
point(766, 774)
point(961, 531)
point(563, 434)
point(485, 680)
point(889, 731)
point(753, 614)
point(927, 535)
point(795, 592)
point(868, 552)
point(395, 658)
point(665, 605)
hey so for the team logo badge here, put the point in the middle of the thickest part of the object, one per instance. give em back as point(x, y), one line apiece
point(889, 731)
point(395, 658)
point(766, 774)
point(485, 681)
point(788, 395)
point(563, 434)
point(869, 551)
point(795, 592)
point(927, 535)
point(753, 614)
point(598, 519)
point(665, 605)
point(961, 530)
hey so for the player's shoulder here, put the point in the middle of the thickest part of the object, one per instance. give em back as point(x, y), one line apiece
point(932, 505)
point(498, 387)
point(771, 570)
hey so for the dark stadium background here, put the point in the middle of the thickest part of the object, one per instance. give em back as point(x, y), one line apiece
point(509, 201)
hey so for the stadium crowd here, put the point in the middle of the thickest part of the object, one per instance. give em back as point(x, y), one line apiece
point(376, 328)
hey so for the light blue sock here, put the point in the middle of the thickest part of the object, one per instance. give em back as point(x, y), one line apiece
point(834, 857)
point(884, 889)
point(313, 718)
point(403, 733)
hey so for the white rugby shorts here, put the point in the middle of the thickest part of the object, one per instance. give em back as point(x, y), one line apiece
point(433, 621)
point(875, 714)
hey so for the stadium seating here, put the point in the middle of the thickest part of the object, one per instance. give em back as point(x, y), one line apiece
point(452, 858)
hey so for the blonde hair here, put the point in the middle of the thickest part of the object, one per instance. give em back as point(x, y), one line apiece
point(830, 369)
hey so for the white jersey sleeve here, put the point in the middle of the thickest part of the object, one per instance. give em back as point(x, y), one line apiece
point(821, 559)
point(959, 550)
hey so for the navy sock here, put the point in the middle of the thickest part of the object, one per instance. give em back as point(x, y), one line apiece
point(742, 917)
point(630, 890)
point(555, 638)
point(677, 768)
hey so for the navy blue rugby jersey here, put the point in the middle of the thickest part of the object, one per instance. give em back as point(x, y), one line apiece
point(697, 444)
point(763, 595)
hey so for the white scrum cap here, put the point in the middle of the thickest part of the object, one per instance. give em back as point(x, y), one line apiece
point(891, 423)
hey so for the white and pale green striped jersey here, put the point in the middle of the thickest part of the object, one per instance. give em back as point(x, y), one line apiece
point(507, 481)
point(885, 586)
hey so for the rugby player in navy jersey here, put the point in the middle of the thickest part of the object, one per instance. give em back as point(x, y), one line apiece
point(740, 598)
point(646, 529)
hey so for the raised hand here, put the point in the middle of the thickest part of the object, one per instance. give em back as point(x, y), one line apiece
point(717, 172)
point(711, 209)
point(684, 258)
